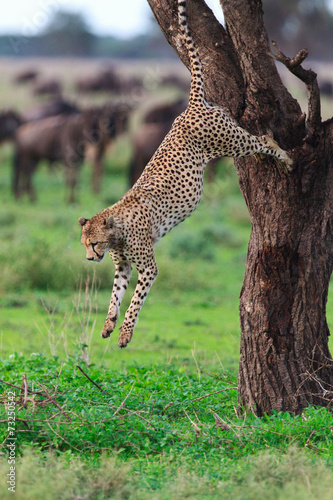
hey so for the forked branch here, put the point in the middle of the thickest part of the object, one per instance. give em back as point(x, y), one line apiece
point(308, 77)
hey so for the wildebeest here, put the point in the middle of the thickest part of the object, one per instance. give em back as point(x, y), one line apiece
point(109, 80)
point(164, 112)
point(115, 118)
point(52, 108)
point(47, 87)
point(64, 139)
point(326, 88)
point(9, 121)
point(175, 81)
point(27, 75)
point(106, 80)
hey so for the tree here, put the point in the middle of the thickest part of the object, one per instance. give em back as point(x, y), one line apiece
point(67, 33)
point(285, 361)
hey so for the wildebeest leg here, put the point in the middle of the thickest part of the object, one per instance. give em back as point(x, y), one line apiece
point(30, 166)
point(16, 174)
point(120, 284)
point(24, 167)
point(137, 165)
point(71, 176)
point(98, 167)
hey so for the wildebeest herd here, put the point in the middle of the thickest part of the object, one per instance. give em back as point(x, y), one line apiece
point(60, 131)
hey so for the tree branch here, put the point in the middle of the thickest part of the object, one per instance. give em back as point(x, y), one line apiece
point(308, 77)
point(268, 105)
point(224, 85)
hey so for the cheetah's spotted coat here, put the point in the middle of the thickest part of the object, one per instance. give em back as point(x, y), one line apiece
point(167, 192)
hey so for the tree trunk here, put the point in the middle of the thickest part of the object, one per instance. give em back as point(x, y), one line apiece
point(285, 362)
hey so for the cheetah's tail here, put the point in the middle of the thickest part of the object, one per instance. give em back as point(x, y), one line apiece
point(197, 95)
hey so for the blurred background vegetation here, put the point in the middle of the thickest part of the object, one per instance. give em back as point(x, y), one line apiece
point(295, 24)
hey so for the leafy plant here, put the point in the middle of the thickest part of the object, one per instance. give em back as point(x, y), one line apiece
point(159, 420)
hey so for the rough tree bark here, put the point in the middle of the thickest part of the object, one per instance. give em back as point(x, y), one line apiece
point(285, 361)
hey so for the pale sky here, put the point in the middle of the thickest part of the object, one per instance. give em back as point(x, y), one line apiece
point(109, 17)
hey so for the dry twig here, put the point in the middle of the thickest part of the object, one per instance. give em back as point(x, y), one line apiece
point(308, 77)
point(90, 380)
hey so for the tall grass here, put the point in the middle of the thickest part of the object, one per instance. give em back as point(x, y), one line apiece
point(158, 432)
point(269, 475)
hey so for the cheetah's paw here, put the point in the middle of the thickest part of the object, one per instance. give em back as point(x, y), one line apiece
point(286, 164)
point(125, 336)
point(109, 326)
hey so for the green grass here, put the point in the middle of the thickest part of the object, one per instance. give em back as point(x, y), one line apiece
point(155, 430)
point(273, 475)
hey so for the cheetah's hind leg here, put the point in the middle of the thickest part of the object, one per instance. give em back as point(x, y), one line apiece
point(274, 150)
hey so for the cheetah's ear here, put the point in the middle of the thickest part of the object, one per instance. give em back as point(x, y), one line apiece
point(82, 221)
point(109, 223)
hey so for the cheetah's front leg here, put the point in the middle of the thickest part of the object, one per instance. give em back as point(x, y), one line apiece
point(120, 284)
point(146, 278)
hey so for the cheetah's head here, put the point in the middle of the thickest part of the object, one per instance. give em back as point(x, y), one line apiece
point(99, 234)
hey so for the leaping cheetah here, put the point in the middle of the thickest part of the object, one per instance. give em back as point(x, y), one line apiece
point(167, 192)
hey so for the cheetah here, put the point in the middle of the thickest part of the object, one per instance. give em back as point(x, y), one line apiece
point(167, 192)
